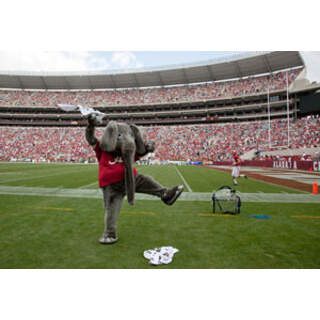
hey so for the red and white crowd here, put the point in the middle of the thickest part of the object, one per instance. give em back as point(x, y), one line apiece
point(210, 142)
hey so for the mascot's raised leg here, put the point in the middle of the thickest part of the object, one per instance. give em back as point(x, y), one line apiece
point(146, 184)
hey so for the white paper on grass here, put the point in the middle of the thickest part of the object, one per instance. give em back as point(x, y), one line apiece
point(163, 255)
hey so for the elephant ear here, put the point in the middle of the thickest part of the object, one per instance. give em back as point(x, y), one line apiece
point(109, 139)
point(140, 146)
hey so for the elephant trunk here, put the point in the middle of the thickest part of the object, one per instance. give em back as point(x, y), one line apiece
point(109, 139)
point(128, 151)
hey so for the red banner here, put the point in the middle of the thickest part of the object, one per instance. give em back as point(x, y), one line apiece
point(283, 164)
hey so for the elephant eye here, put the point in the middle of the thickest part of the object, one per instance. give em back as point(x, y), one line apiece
point(119, 134)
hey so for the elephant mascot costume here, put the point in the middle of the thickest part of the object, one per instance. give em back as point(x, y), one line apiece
point(120, 146)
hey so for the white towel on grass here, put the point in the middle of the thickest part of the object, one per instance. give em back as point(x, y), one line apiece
point(84, 110)
point(163, 255)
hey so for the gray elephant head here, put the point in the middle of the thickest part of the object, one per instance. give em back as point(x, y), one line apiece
point(123, 139)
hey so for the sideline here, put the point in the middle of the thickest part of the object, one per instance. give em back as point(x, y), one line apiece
point(96, 183)
point(259, 180)
point(185, 196)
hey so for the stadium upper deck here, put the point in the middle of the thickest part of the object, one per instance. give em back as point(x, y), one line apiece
point(233, 90)
point(153, 95)
point(238, 66)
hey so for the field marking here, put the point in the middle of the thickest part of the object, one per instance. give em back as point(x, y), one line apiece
point(89, 185)
point(269, 255)
point(32, 176)
point(53, 208)
point(138, 212)
point(183, 179)
point(215, 215)
point(186, 196)
point(12, 172)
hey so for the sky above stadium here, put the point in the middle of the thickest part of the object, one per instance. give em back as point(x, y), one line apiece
point(103, 60)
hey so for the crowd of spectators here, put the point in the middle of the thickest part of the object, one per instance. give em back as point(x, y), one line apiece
point(217, 142)
point(43, 144)
point(210, 142)
point(154, 95)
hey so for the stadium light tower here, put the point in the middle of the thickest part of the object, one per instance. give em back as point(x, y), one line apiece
point(288, 118)
point(269, 121)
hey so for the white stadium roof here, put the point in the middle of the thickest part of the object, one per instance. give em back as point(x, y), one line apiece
point(235, 67)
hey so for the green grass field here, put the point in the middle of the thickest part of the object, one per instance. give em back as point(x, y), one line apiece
point(41, 231)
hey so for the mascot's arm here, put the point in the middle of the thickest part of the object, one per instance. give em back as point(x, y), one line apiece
point(91, 138)
point(143, 147)
point(150, 146)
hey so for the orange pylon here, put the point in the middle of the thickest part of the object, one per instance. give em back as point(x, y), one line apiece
point(315, 188)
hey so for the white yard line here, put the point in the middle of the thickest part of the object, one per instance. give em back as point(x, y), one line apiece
point(186, 196)
point(183, 179)
point(88, 185)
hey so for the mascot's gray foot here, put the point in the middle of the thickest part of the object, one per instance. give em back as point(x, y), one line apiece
point(171, 195)
point(108, 239)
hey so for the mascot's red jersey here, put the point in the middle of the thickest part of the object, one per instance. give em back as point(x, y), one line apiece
point(111, 169)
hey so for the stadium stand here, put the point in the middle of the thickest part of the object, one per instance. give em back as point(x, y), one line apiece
point(204, 121)
point(147, 96)
point(242, 99)
point(174, 142)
